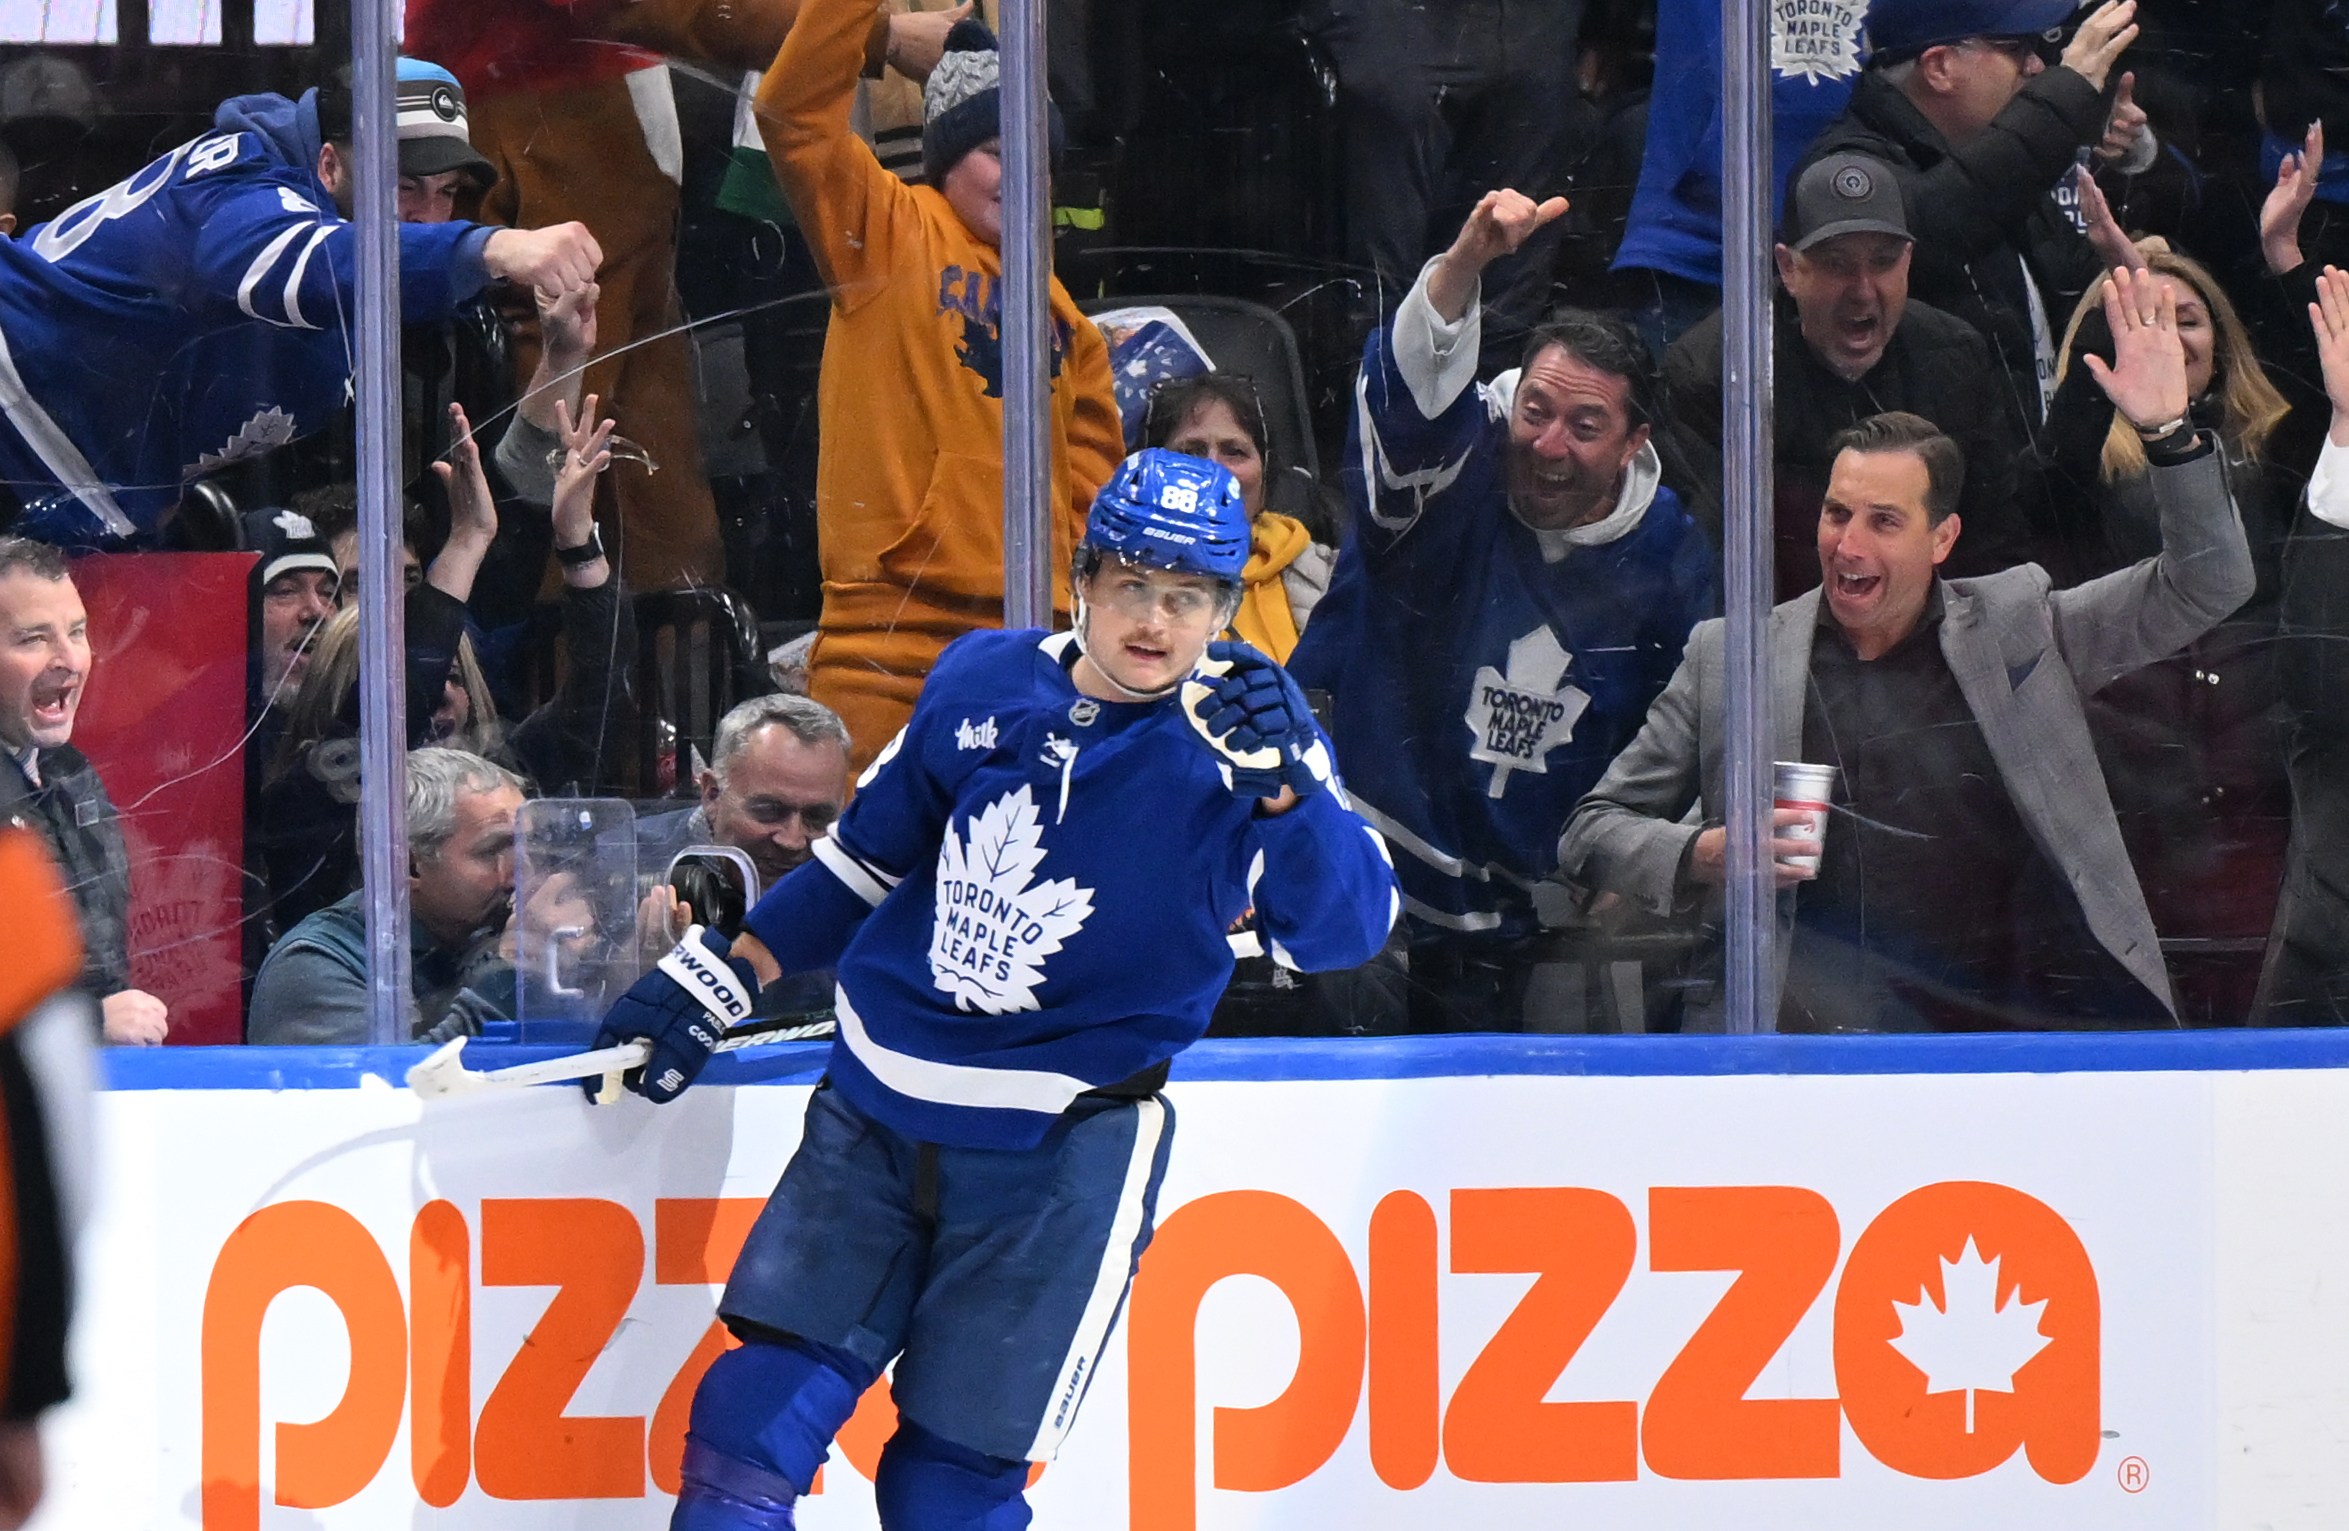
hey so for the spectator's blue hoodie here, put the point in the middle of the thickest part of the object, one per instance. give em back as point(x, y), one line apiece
point(190, 317)
point(1676, 209)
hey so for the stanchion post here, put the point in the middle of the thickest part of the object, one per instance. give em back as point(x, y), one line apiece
point(1750, 916)
point(1027, 315)
point(375, 317)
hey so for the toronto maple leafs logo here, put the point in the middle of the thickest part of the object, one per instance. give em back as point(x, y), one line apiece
point(1971, 1342)
point(995, 924)
point(268, 430)
point(1816, 39)
point(1518, 718)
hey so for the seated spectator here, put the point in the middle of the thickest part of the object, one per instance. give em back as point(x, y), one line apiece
point(1972, 875)
point(776, 781)
point(313, 991)
point(1848, 343)
point(48, 785)
point(1517, 592)
point(2192, 745)
point(293, 590)
point(310, 797)
point(226, 292)
point(1984, 129)
point(909, 492)
point(1218, 417)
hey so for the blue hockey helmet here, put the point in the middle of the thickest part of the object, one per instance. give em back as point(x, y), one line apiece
point(1172, 512)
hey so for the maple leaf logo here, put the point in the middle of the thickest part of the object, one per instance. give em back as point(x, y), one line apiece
point(1971, 1342)
point(1518, 718)
point(994, 924)
point(268, 430)
point(1816, 39)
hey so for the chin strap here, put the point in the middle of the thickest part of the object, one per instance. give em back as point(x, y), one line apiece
point(1131, 695)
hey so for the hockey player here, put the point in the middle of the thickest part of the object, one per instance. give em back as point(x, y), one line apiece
point(1026, 905)
point(222, 276)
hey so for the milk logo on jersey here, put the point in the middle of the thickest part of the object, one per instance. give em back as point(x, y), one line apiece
point(975, 736)
point(1519, 717)
point(1817, 39)
point(996, 925)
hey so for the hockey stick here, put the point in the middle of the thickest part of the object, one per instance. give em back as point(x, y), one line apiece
point(443, 1076)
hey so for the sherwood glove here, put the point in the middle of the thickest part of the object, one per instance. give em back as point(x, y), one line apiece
point(681, 1007)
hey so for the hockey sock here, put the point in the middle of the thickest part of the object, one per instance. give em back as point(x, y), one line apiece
point(774, 1408)
point(928, 1483)
point(718, 1493)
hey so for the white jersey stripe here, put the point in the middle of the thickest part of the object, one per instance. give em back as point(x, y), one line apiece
point(1109, 1287)
point(954, 1084)
point(55, 449)
point(862, 880)
point(1483, 919)
point(1449, 865)
point(260, 268)
point(293, 284)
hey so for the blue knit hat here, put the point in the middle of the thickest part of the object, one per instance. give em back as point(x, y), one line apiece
point(962, 102)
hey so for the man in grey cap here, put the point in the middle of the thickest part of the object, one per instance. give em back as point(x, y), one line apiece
point(1850, 343)
point(1981, 110)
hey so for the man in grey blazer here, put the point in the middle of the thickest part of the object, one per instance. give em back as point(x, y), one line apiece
point(1972, 874)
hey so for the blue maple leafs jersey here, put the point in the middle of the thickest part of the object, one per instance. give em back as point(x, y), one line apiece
point(191, 316)
point(1482, 675)
point(1030, 897)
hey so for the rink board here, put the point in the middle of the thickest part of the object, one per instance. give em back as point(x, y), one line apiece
point(1510, 1283)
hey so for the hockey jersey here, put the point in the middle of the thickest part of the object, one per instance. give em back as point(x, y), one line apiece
point(189, 317)
point(1815, 48)
point(1030, 896)
point(1483, 674)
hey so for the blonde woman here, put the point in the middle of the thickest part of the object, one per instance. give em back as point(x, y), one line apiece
point(2192, 747)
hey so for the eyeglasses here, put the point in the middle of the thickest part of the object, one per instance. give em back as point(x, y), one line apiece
point(2047, 47)
point(1138, 598)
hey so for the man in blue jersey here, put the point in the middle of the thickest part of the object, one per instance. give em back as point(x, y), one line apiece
point(1027, 907)
point(1517, 592)
point(197, 314)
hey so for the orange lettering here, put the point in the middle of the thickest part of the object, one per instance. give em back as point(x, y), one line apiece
point(293, 1244)
point(1405, 1393)
point(695, 1241)
point(1967, 1323)
point(1699, 1423)
point(592, 1253)
point(440, 1353)
point(1237, 1233)
point(1497, 1429)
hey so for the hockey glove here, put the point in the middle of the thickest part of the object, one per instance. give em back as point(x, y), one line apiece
point(681, 1007)
point(1256, 722)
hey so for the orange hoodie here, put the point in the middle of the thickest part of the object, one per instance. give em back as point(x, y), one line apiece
point(909, 490)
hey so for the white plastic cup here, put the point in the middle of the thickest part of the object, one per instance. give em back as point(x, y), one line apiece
point(1807, 790)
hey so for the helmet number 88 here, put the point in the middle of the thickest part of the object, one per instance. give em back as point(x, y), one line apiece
point(1178, 497)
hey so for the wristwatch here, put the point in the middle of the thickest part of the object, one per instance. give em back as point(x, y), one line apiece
point(587, 552)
